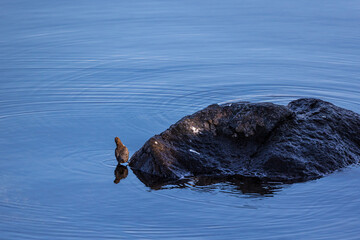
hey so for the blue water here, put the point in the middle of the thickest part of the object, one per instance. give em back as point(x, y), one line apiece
point(75, 74)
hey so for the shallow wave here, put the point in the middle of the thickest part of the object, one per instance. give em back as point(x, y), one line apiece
point(75, 75)
point(143, 109)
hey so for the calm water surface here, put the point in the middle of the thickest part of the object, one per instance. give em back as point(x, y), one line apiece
point(75, 74)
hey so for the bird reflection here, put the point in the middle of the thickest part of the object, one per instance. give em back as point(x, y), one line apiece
point(120, 172)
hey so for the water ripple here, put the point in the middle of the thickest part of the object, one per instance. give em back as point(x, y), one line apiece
point(75, 75)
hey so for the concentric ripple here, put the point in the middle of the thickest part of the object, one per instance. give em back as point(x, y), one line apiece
point(77, 74)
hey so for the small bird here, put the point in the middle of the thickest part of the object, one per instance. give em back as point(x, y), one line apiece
point(121, 152)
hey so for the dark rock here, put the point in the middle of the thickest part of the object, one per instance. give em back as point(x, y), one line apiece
point(305, 140)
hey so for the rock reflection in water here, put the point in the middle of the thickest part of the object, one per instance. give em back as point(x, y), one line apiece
point(234, 184)
point(120, 172)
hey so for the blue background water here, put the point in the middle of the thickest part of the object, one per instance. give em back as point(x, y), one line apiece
point(75, 74)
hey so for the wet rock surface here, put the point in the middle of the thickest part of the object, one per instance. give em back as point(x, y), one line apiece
point(304, 140)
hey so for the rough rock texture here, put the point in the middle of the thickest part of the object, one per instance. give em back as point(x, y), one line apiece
point(304, 140)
